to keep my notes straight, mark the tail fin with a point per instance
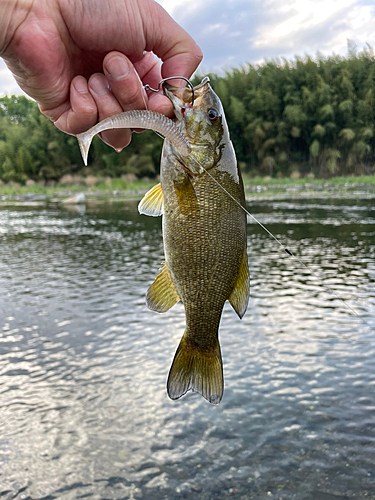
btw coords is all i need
(84, 141)
(201, 371)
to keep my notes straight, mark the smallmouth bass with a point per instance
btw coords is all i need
(204, 234)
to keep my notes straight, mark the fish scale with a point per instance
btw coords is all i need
(198, 242)
(204, 234)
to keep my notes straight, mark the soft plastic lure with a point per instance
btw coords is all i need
(136, 119)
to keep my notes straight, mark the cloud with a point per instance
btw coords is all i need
(8, 85)
(222, 29)
(323, 25)
(234, 32)
(302, 16)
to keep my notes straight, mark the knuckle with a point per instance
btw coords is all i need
(88, 111)
(131, 97)
(198, 54)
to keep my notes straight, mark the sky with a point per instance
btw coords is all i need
(234, 32)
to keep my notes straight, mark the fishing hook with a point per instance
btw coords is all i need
(147, 87)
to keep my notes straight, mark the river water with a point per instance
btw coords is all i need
(83, 363)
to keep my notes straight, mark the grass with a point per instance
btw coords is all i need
(334, 181)
(103, 187)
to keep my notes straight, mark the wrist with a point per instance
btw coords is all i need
(13, 13)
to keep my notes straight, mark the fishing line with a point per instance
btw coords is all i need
(328, 289)
(145, 103)
(290, 253)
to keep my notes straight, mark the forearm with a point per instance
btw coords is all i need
(13, 13)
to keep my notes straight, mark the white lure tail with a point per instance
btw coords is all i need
(136, 119)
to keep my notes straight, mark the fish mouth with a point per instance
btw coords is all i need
(182, 97)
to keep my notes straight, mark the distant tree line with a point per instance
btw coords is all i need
(303, 115)
(31, 147)
(312, 114)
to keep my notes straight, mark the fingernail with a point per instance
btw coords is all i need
(99, 84)
(80, 85)
(118, 68)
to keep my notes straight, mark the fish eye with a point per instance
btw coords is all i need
(213, 114)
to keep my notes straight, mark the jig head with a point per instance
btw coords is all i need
(147, 87)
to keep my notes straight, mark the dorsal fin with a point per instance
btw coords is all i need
(239, 297)
(153, 201)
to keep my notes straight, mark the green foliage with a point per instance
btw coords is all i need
(314, 148)
(16, 108)
(347, 134)
(31, 147)
(318, 130)
(332, 156)
(346, 106)
(316, 113)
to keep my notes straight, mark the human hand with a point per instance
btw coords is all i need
(85, 60)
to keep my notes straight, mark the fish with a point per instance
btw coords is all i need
(201, 199)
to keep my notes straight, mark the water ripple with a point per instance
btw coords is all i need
(83, 363)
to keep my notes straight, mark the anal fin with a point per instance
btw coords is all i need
(153, 201)
(239, 297)
(162, 294)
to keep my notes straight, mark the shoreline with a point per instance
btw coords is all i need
(255, 189)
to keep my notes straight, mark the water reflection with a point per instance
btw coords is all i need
(83, 363)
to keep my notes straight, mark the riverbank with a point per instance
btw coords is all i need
(259, 187)
(105, 187)
(336, 187)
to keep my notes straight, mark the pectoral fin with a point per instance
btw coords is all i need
(152, 202)
(239, 297)
(162, 294)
